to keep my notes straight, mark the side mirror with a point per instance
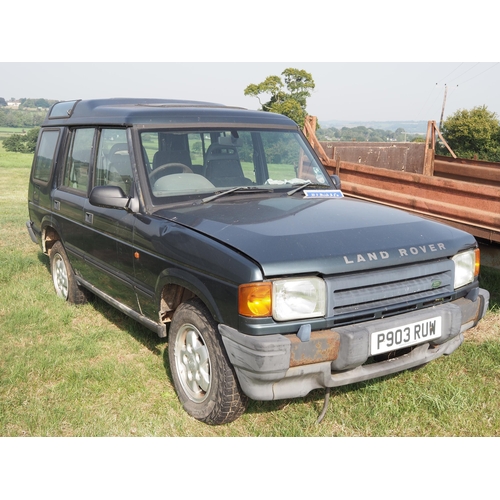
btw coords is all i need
(336, 181)
(109, 197)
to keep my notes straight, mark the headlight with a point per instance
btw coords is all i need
(298, 298)
(466, 267)
(284, 299)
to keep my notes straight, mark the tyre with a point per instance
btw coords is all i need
(64, 279)
(203, 377)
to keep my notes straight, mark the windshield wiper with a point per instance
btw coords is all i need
(232, 190)
(306, 184)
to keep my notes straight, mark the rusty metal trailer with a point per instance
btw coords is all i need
(410, 176)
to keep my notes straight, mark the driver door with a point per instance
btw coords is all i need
(110, 244)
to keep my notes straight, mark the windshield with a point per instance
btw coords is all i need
(202, 162)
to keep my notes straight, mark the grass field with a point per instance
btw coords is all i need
(91, 371)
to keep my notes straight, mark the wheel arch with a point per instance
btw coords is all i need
(176, 286)
(50, 234)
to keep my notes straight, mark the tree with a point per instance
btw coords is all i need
(288, 95)
(473, 133)
(3, 102)
(31, 139)
(21, 117)
(34, 103)
(42, 103)
(17, 143)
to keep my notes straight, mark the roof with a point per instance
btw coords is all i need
(148, 112)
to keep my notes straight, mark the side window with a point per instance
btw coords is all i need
(77, 170)
(113, 167)
(45, 155)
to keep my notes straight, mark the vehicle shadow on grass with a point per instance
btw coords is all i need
(140, 333)
(315, 400)
(146, 337)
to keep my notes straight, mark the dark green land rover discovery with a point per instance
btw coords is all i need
(219, 228)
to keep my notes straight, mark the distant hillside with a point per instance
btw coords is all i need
(411, 127)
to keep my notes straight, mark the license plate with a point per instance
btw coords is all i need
(406, 335)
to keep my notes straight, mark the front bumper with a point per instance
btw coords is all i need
(282, 366)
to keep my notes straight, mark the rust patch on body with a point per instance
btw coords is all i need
(322, 346)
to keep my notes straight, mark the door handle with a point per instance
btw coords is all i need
(89, 218)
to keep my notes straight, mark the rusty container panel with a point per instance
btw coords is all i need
(480, 172)
(469, 206)
(401, 156)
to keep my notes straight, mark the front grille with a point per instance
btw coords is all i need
(382, 292)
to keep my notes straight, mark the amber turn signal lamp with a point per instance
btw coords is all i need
(254, 300)
(477, 264)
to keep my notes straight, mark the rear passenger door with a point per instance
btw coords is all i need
(70, 196)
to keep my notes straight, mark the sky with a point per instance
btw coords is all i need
(370, 61)
(353, 91)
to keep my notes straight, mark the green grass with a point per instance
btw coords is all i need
(91, 371)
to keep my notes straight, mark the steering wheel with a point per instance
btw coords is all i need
(153, 176)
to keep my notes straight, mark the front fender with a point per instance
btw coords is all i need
(191, 282)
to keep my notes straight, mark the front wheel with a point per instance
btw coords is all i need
(203, 377)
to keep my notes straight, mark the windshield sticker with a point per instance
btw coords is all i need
(323, 193)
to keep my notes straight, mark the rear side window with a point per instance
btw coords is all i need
(44, 160)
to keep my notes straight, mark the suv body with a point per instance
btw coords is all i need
(220, 228)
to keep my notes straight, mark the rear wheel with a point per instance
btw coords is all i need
(64, 279)
(203, 376)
